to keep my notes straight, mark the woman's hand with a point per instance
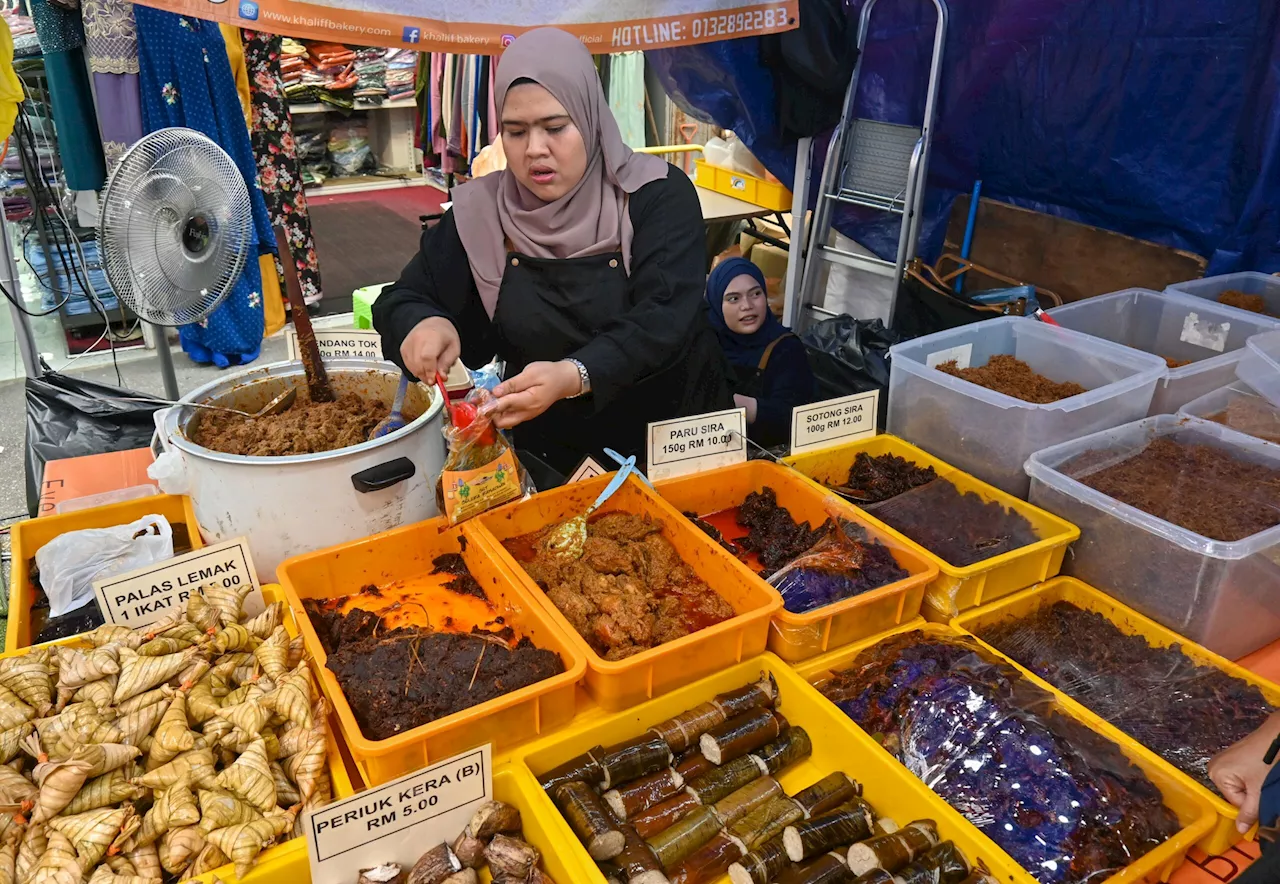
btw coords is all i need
(432, 346)
(748, 403)
(533, 391)
(1239, 771)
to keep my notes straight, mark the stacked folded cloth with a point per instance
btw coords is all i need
(323, 72)
(371, 77)
(402, 66)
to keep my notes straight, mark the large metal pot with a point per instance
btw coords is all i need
(295, 504)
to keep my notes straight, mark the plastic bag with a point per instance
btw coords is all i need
(1183, 711)
(961, 528)
(70, 563)
(1059, 798)
(349, 149)
(73, 417)
(843, 564)
(849, 356)
(481, 469)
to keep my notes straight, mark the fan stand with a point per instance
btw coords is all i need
(165, 357)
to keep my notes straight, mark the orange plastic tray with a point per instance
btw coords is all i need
(619, 684)
(1130, 622)
(27, 537)
(957, 588)
(800, 636)
(404, 553)
(1194, 813)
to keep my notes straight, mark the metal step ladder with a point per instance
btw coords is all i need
(878, 165)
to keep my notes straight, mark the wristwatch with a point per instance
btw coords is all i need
(582, 376)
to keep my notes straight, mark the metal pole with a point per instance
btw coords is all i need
(799, 206)
(21, 322)
(166, 363)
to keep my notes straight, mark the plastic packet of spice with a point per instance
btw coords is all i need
(481, 470)
(843, 564)
(1062, 800)
(959, 528)
(1183, 711)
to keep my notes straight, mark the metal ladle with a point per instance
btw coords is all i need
(275, 406)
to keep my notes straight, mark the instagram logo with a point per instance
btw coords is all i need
(507, 40)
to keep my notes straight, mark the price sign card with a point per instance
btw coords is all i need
(146, 595)
(834, 422)
(339, 343)
(588, 469)
(694, 444)
(399, 821)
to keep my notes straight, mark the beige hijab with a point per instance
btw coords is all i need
(592, 218)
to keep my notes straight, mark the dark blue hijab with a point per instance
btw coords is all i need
(743, 350)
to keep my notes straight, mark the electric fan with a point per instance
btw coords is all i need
(175, 232)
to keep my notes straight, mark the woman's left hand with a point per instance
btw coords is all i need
(533, 391)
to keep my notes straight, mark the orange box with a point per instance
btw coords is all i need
(619, 684)
(27, 537)
(74, 477)
(407, 552)
(799, 636)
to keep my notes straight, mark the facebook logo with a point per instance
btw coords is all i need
(249, 10)
(411, 35)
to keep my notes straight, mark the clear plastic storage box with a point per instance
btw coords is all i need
(1239, 407)
(991, 435)
(1247, 282)
(1206, 338)
(1260, 365)
(1223, 595)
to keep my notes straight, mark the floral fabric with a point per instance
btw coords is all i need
(279, 172)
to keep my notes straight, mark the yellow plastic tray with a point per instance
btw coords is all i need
(287, 861)
(1130, 622)
(957, 589)
(768, 194)
(27, 537)
(837, 745)
(800, 636)
(407, 552)
(620, 684)
(1195, 815)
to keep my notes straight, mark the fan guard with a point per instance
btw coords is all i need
(175, 227)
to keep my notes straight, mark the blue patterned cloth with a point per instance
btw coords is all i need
(186, 80)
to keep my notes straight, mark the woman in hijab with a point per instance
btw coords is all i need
(771, 372)
(580, 264)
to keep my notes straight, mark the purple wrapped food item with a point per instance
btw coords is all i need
(1061, 800)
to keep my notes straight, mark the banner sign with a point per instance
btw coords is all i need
(485, 27)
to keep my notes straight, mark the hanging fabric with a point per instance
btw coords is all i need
(279, 171)
(626, 95)
(62, 40)
(10, 85)
(185, 80)
(112, 47)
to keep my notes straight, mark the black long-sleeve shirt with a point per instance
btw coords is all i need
(667, 277)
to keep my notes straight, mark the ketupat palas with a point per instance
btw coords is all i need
(157, 755)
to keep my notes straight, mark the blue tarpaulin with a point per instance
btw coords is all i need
(1155, 118)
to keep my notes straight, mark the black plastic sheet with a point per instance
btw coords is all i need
(73, 417)
(849, 356)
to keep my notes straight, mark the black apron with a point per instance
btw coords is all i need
(548, 309)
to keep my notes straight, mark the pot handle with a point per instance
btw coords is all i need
(384, 475)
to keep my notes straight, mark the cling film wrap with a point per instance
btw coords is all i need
(843, 564)
(1184, 711)
(961, 528)
(1057, 797)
